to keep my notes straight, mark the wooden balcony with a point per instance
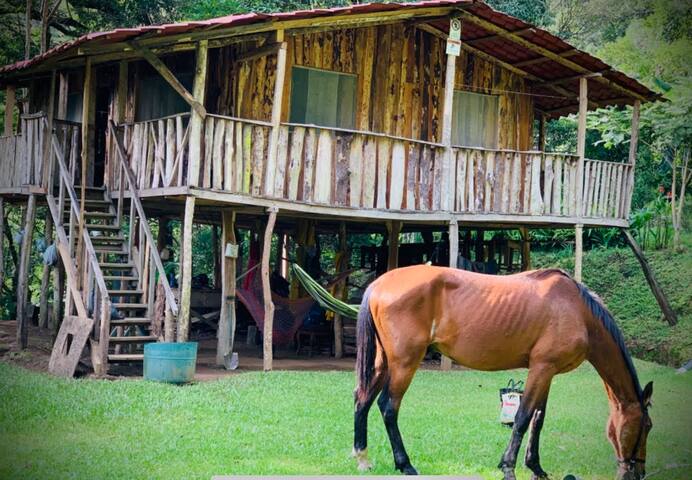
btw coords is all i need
(348, 170)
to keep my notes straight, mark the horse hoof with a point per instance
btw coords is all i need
(409, 470)
(540, 476)
(361, 457)
(509, 473)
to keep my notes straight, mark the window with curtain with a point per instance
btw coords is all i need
(475, 119)
(321, 97)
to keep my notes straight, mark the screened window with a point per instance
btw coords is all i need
(322, 98)
(156, 98)
(475, 119)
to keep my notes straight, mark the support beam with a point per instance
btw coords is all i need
(267, 292)
(186, 270)
(446, 194)
(339, 290)
(164, 71)
(581, 143)
(525, 249)
(537, 61)
(87, 119)
(63, 90)
(45, 276)
(48, 164)
(227, 321)
(23, 276)
(541, 133)
(394, 229)
(277, 102)
(578, 251)
(634, 142)
(10, 103)
(197, 119)
(656, 289)
(446, 362)
(491, 27)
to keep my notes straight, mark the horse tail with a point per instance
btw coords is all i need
(366, 346)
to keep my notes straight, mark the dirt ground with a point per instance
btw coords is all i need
(36, 357)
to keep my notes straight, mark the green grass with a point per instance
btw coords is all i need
(301, 423)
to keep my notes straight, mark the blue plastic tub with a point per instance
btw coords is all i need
(170, 362)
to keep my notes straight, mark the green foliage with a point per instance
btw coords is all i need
(652, 224)
(274, 424)
(531, 11)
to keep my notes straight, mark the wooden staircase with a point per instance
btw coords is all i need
(130, 324)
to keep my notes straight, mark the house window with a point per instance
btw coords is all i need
(323, 98)
(156, 98)
(475, 119)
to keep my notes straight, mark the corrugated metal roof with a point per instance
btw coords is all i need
(501, 47)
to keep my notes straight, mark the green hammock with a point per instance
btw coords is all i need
(322, 296)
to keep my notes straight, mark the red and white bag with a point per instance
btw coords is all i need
(510, 399)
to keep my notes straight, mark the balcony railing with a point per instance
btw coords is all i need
(366, 170)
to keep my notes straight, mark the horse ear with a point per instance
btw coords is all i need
(646, 394)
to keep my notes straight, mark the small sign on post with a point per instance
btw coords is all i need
(454, 39)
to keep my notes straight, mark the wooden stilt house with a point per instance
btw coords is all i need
(370, 116)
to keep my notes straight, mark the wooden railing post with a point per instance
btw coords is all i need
(197, 120)
(632, 160)
(277, 103)
(447, 193)
(581, 143)
(226, 331)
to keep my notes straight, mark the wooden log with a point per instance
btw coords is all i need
(557, 187)
(461, 180)
(281, 163)
(340, 187)
(228, 158)
(515, 187)
(525, 249)
(277, 103)
(266, 291)
(296, 162)
(355, 170)
(226, 330)
(23, 274)
(581, 144)
(10, 103)
(217, 154)
(181, 140)
(398, 171)
(471, 175)
(536, 202)
(412, 170)
(309, 164)
(446, 362)
(369, 172)
(548, 180)
(186, 270)
(527, 162)
(170, 152)
(384, 152)
(656, 289)
(208, 148)
(324, 167)
(340, 289)
(632, 158)
(246, 152)
(578, 251)
(488, 161)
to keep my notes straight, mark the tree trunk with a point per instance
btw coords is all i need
(27, 31)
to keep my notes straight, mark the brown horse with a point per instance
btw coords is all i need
(543, 320)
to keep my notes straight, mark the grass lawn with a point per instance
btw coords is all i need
(301, 423)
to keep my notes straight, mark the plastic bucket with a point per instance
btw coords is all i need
(170, 362)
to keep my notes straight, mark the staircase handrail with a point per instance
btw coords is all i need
(134, 197)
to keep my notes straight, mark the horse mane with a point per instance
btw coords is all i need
(599, 310)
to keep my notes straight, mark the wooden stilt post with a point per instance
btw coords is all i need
(218, 253)
(656, 289)
(578, 251)
(58, 295)
(10, 103)
(446, 193)
(45, 277)
(229, 252)
(581, 143)
(634, 141)
(339, 290)
(266, 290)
(23, 277)
(525, 249)
(186, 270)
(394, 229)
(446, 362)
(87, 119)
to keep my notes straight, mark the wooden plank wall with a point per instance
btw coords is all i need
(400, 81)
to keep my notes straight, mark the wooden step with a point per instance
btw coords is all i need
(124, 293)
(127, 321)
(100, 239)
(102, 227)
(108, 251)
(130, 306)
(116, 266)
(92, 214)
(115, 278)
(134, 339)
(125, 357)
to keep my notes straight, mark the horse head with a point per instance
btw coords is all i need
(628, 429)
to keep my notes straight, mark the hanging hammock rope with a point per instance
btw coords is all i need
(322, 296)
